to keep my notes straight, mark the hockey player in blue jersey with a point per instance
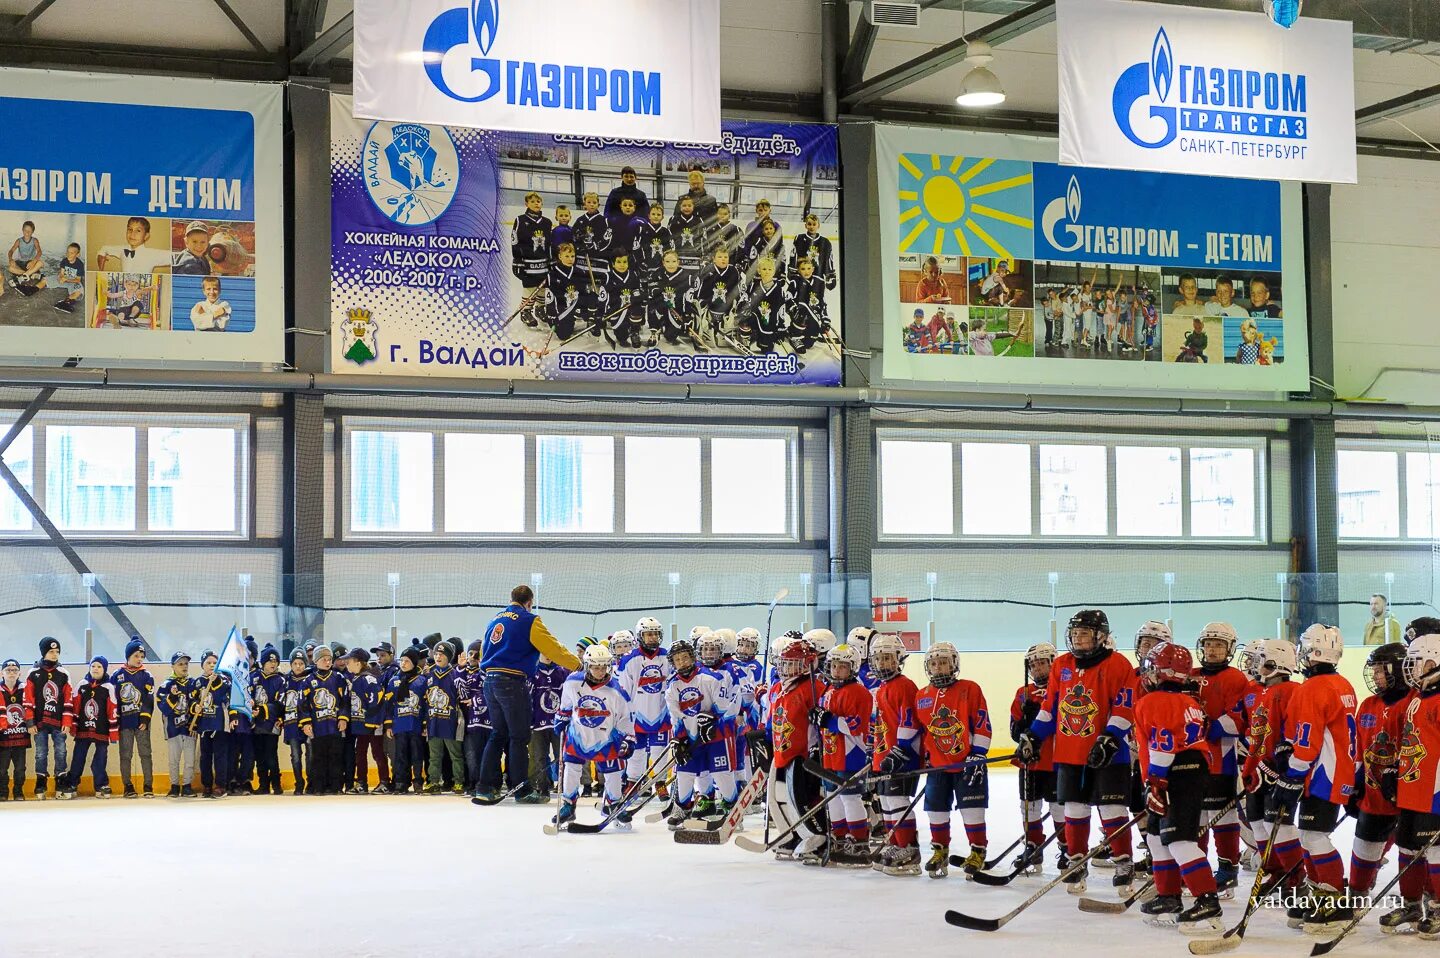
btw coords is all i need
(595, 725)
(702, 712)
(643, 674)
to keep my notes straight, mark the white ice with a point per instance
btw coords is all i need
(428, 876)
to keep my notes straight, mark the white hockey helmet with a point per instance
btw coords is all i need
(1216, 632)
(622, 643)
(843, 655)
(887, 656)
(859, 639)
(1246, 660)
(1153, 629)
(710, 649)
(1422, 661)
(821, 640)
(942, 665)
(597, 658)
(1274, 657)
(730, 639)
(696, 632)
(747, 642)
(1039, 652)
(1319, 645)
(649, 628)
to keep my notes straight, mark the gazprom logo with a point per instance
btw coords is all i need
(456, 53)
(1156, 101)
(1064, 209)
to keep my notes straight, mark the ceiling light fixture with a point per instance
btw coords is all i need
(980, 86)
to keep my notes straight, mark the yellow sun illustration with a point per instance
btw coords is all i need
(964, 206)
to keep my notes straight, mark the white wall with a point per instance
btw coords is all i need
(1386, 285)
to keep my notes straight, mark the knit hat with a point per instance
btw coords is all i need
(9, 662)
(133, 646)
(208, 654)
(299, 655)
(477, 646)
(104, 662)
(48, 643)
(268, 653)
(432, 640)
(178, 656)
(443, 646)
(323, 650)
(416, 655)
(254, 648)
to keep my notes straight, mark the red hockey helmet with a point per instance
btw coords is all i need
(796, 659)
(1168, 662)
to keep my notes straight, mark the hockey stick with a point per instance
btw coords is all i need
(753, 846)
(1232, 938)
(524, 303)
(510, 794)
(578, 828)
(995, 881)
(962, 920)
(826, 775)
(1097, 906)
(599, 325)
(1325, 947)
(732, 821)
(765, 673)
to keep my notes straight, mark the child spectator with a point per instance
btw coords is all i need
(212, 724)
(324, 714)
(470, 682)
(267, 691)
(96, 726)
(404, 723)
(294, 690)
(176, 701)
(72, 279)
(14, 734)
(545, 691)
(48, 713)
(440, 707)
(366, 718)
(212, 314)
(135, 691)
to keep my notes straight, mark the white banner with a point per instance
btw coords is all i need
(1173, 89)
(638, 69)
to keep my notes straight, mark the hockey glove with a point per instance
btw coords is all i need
(893, 761)
(1157, 796)
(819, 716)
(1277, 766)
(1103, 752)
(1242, 748)
(705, 727)
(815, 754)
(1027, 749)
(562, 732)
(972, 774)
(1389, 783)
(627, 748)
(683, 751)
(1029, 711)
(1283, 798)
(1250, 778)
(761, 754)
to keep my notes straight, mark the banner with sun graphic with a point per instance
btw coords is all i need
(994, 251)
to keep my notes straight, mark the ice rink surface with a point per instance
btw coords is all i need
(436, 876)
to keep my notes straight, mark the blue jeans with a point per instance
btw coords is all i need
(45, 739)
(97, 764)
(508, 699)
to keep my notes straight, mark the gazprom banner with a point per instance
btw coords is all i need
(639, 69)
(1159, 87)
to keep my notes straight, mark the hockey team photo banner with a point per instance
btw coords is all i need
(640, 69)
(1004, 267)
(142, 218)
(1169, 88)
(461, 252)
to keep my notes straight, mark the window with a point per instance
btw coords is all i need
(20, 457)
(917, 488)
(1368, 486)
(90, 477)
(995, 489)
(1222, 493)
(749, 486)
(1422, 495)
(484, 482)
(392, 481)
(192, 480)
(575, 484)
(1074, 491)
(1147, 491)
(662, 485)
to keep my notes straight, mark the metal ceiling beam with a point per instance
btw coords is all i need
(1411, 102)
(19, 27)
(1007, 28)
(131, 59)
(862, 44)
(320, 54)
(255, 43)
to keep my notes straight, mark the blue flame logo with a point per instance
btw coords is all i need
(1162, 65)
(1072, 200)
(485, 15)
(1148, 84)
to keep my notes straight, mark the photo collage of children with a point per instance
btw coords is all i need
(975, 306)
(70, 271)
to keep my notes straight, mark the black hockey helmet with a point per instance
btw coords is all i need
(1095, 620)
(1391, 657)
(686, 646)
(1425, 625)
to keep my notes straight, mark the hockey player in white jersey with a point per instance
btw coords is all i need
(643, 674)
(594, 724)
(702, 714)
(722, 660)
(622, 643)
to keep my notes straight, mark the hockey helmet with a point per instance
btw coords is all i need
(942, 665)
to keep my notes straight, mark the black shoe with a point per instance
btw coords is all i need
(130, 791)
(1202, 917)
(360, 790)
(174, 792)
(187, 792)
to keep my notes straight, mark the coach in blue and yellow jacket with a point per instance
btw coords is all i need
(514, 642)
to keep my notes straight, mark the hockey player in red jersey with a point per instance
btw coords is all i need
(1319, 777)
(955, 728)
(1088, 711)
(790, 700)
(897, 750)
(1221, 693)
(1177, 761)
(1377, 734)
(1273, 662)
(1037, 782)
(1147, 637)
(1416, 787)
(843, 718)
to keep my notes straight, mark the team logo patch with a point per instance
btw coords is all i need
(1077, 713)
(948, 732)
(411, 171)
(1369, 720)
(591, 711)
(1066, 674)
(924, 703)
(652, 679)
(1379, 754)
(1411, 750)
(691, 699)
